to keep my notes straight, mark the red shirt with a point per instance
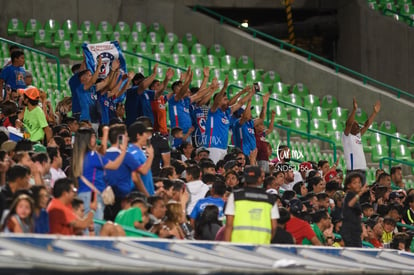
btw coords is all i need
(160, 115)
(60, 218)
(299, 229)
(261, 144)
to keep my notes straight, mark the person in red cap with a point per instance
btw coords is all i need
(34, 119)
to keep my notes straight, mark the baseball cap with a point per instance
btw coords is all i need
(202, 149)
(295, 206)
(395, 194)
(230, 164)
(31, 92)
(252, 174)
(330, 175)
(39, 148)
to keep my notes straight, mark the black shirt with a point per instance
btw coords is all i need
(161, 146)
(351, 216)
(282, 237)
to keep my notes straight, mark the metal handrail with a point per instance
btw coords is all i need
(308, 113)
(390, 160)
(282, 44)
(41, 53)
(152, 60)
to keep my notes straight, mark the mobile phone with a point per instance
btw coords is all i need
(256, 87)
(120, 139)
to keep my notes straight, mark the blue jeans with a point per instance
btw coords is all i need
(99, 213)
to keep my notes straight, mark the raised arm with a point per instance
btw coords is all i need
(272, 122)
(264, 109)
(234, 99)
(220, 96)
(168, 75)
(247, 114)
(114, 69)
(201, 94)
(206, 73)
(211, 89)
(95, 75)
(147, 81)
(130, 76)
(187, 81)
(242, 101)
(351, 118)
(371, 118)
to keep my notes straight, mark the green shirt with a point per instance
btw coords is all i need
(34, 121)
(128, 218)
(319, 235)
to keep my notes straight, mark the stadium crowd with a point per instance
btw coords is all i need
(208, 174)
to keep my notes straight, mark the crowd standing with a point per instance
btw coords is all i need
(201, 170)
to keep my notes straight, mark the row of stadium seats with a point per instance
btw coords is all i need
(400, 10)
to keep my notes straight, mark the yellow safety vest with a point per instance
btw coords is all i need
(252, 216)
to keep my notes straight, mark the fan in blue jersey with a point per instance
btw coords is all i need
(179, 103)
(74, 83)
(14, 73)
(244, 132)
(218, 122)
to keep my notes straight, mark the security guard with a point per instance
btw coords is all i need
(251, 213)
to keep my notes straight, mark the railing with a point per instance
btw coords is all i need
(391, 160)
(282, 44)
(308, 114)
(41, 53)
(129, 229)
(152, 60)
(405, 17)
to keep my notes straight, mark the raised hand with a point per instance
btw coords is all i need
(154, 70)
(169, 74)
(273, 113)
(115, 65)
(266, 98)
(131, 75)
(206, 71)
(355, 103)
(377, 106)
(99, 61)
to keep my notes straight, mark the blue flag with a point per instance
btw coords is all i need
(109, 51)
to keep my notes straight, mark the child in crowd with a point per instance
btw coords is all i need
(19, 219)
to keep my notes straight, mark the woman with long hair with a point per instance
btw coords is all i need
(40, 216)
(19, 219)
(208, 224)
(175, 216)
(88, 164)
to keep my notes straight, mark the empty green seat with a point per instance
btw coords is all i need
(105, 28)
(160, 57)
(245, 62)
(144, 49)
(42, 37)
(340, 114)
(195, 61)
(373, 5)
(170, 39)
(228, 62)
(329, 102)
(157, 28)
(198, 73)
(66, 49)
(253, 76)
(271, 77)
(135, 38)
(180, 49)
(377, 138)
(32, 27)
(117, 36)
(281, 114)
(300, 89)
(199, 49)
(298, 125)
(334, 125)
(317, 127)
(125, 46)
(123, 28)
(378, 152)
(79, 37)
(77, 54)
(280, 88)
(98, 37)
(162, 49)
(310, 101)
(264, 88)
(51, 26)
(217, 73)
(15, 26)
(336, 136)
(292, 98)
(153, 38)
(178, 60)
(319, 113)
(217, 50)
(388, 127)
(361, 116)
(211, 61)
(58, 38)
(70, 26)
(140, 28)
(396, 141)
(189, 40)
(235, 75)
(88, 27)
(297, 113)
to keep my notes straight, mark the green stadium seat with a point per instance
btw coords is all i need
(319, 113)
(15, 27)
(135, 38)
(140, 28)
(334, 125)
(253, 76)
(211, 61)
(144, 49)
(361, 116)
(42, 38)
(162, 49)
(198, 73)
(317, 127)
(298, 125)
(199, 49)
(170, 39)
(310, 101)
(153, 38)
(403, 153)
(235, 75)
(271, 77)
(396, 142)
(336, 136)
(228, 62)
(77, 54)
(280, 88)
(125, 46)
(297, 113)
(340, 114)
(217, 50)
(66, 49)
(70, 26)
(373, 5)
(160, 57)
(88, 27)
(105, 28)
(189, 40)
(98, 37)
(123, 28)
(181, 49)
(178, 60)
(377, 138)
(51, 26)
(160, 72)
(388, 127)
(265, 88)
(79, 37)
(32, 27)
(300, 89)
(195, 61)
(59, 37)
(329, 102)
(117, 36)
(292, 98)
(378, 152)
(157, 28)
(218, 73)
(246, 63)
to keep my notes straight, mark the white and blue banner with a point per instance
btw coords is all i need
(109, 51)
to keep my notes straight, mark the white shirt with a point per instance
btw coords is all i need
(354, 152)
(197, 190)
(230, 208)
(55, 175)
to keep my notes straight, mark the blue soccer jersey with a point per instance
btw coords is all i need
(179, 112)
(88, 99)
(93, 170)
(74, 83)
(140, 156)
(198, 118)
(105, 103)
(132, 105)
(146, 98)
(217, 129)
(202, 203)
(14, 76)
(244, 136)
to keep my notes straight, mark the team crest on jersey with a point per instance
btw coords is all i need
(250, 130)
(107, 59)
(224, 120)
(201, 122)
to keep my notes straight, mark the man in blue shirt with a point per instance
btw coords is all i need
(74, 83)
(217, 192)
(218, 122)
(244, 132)
(14, 74)
(140, 136)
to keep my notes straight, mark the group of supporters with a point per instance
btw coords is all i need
(183, 181)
